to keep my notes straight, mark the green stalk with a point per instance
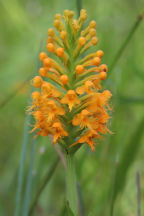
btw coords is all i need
(71, 184)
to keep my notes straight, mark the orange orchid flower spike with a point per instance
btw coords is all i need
(69, 103)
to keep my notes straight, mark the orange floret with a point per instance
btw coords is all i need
(37, 81)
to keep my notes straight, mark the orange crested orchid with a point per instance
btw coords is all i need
(69, 103)
(87, 138)
(86, 88)
(71, 99)
(82, 119)
(59, 132)
(54, 110)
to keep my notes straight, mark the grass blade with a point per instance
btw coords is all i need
(125, 163)
(22, 164)
(24, 144)
(27, 195)
(79, 6)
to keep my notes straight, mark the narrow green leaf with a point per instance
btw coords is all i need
(24, 146)
(22, 164)
(125, 162)
(27, 195)
(79, 6)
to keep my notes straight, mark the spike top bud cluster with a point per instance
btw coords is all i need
(69, 103)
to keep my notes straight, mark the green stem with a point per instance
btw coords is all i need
(125, 43)
(71, 184)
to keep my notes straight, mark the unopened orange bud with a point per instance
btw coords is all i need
(99, 53)
(92, 24)
(37, 81)
(58, 16)
(42, 56)
(60, 52)
(84, 17)
(63, 35)
(75, 25)
(36, 95)
(51, 32)
(82, 41)
(64, 79)
(79, 69)
(103, 75)
(103, 67)
(92, 32)
(94, 40)
(57, 23)
(66, 12)
(71, 14)
(83, 14)
(47, 62)
(42, 72)
(50, 47)
(96, 61)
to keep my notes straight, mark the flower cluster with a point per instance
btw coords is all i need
(70, 104)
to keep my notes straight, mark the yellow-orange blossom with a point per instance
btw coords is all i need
(70, 104)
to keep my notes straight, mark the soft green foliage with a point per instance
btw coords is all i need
(23, 26)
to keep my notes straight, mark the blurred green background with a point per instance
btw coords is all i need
(109, 173)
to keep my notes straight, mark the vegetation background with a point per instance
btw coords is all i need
(111, 179)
